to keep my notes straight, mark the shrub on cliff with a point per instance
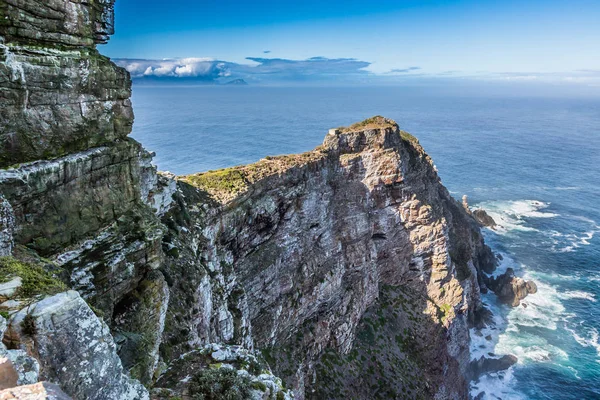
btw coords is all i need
(220, 384)
(35, 279)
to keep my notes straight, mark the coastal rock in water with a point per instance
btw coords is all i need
(511, 289)
(484, 218)
(486, 365)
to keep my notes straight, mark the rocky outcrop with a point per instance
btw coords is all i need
(78, 192)
(314, 238)
(347, 271)
(486, 365)
(510, 288)
(59, 94)
(484, 218)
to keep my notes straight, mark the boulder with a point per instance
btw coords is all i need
(74, 348)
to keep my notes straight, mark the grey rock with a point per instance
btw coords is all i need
(18, 368)
(176, 380)
(75, 349)
(56, 23)
(511, 289)
(8, 289)
(7, 227)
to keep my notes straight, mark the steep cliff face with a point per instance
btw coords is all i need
(60, 95)
(348, 271)
(314, 242)
(75, 190)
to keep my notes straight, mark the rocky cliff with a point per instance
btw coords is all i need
(345, 272)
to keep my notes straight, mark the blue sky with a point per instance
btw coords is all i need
(547, 40)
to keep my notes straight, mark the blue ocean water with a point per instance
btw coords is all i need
(532, 162)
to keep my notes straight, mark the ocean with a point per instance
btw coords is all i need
(533, 162)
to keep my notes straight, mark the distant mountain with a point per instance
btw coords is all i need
(238, 82)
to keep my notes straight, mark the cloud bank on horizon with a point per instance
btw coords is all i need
(262, 70)
(257, 70)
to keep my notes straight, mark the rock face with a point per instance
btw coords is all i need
(59, 94)
(348, 271)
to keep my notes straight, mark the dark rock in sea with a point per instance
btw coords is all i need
(511, 289)
(483, 318)
(484, 218)
(531, 287)
(486, 365)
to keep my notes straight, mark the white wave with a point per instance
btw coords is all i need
(509, 334)
(500, 385)
(575, 241)
(567, 188)
(512, 215)
(574, 372)
(590, 339)
(578, 294)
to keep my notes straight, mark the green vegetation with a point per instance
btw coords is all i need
(223, 184)
(376, 122)
(36, 280)
(226, 184)
(408, 137)
(445, 310)
(219, 384)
